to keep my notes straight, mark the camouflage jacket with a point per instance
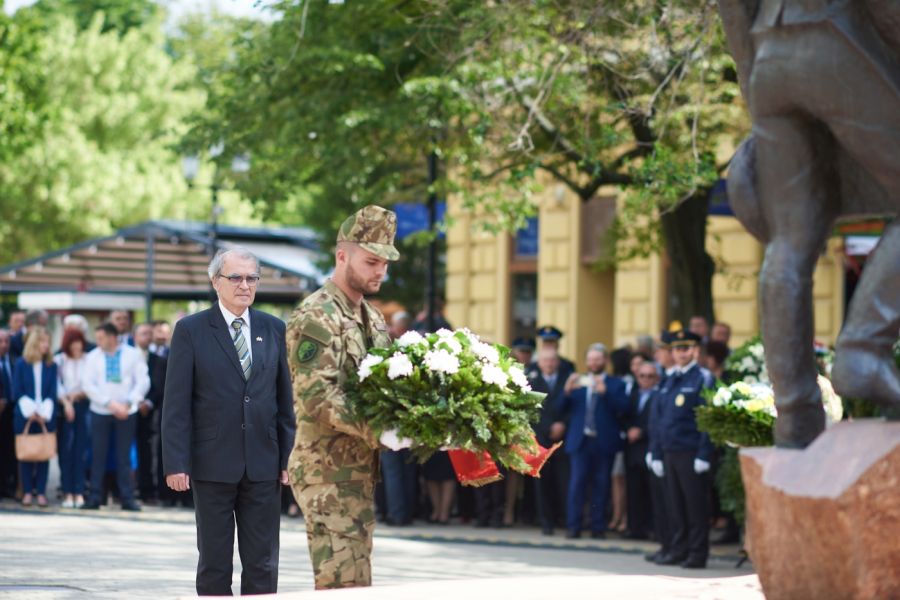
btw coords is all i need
(327, 340)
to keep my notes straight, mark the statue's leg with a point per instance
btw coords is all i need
(864, 366)
(791, 159)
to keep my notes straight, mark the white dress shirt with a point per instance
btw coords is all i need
(245, 328)
(132, 389)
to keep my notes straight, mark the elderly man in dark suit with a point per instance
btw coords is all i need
(637, 472)
(593, 437)
(550, 488)
(228, 427)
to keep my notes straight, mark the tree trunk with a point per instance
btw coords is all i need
(691, 269)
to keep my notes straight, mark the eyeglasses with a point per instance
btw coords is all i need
(236, 280)
(647, 375)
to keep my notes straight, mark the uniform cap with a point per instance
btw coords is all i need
(549, 332)
(523, 343)
(373, 228)
(680, 337)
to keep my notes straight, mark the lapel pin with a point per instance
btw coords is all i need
(258, 339)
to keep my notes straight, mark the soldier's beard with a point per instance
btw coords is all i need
(360, 284)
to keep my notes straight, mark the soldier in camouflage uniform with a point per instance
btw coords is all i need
(334, 462)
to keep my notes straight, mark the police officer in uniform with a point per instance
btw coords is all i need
(682, 454)
(550, 337)
(334, 462)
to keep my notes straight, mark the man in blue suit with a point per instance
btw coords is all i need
(8, 464)
(592, 440)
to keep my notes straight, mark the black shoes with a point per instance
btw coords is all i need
(598, 535)
(90, 505)
(670, 559)
(652, 556)
(694, 562)
(546, 530)
(573, 534)
(131, 506)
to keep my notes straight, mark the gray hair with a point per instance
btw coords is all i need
(215, 265)
(77, 321)
(598, 347)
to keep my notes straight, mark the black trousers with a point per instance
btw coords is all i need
(662, 524)
(101, 425)
(688, 495)
(256, 508)
(9, 466)
(550, 490)
(146, 455)
(639, 495)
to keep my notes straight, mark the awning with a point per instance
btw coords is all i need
(168, 260)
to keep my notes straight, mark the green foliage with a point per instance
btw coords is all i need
(458, 409)
(730, 485)
(727, 424)
(119, 16)
(96, 118)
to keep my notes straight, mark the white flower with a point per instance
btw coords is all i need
(365, 367)
(451, 343)
(743, 388)
(831, 402)
(748, 364)
(492, 374)
(519, 378)
(409, 338)
(443, 332)
(750, 379)
(757, 351)
(722, 397)
(486, 352)
(441, 361)
(399, 365)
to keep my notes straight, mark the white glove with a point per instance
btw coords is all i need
(700, 466)
(648, 458)
(657, 467)
(389, 439)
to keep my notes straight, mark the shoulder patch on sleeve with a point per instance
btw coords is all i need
(317, 332)
(307, 350)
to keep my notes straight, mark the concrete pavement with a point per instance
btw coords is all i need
(56, 554)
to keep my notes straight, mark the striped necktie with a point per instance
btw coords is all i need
(240, 344)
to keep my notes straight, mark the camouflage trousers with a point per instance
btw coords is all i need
(340, 520)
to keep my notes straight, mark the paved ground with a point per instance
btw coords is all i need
(57, 554)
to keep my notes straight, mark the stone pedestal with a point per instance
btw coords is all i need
(824, 522)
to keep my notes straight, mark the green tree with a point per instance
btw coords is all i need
(118, 15)
(340, 105)
(104, 114)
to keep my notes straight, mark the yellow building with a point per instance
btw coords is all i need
(500, 291)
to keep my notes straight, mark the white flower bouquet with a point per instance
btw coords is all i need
(450, 389)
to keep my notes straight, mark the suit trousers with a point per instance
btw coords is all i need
(256, 508)
(639, 496)
(101, 426)
(688, 496)
(590, 467)
(550, 490)
(146, 455)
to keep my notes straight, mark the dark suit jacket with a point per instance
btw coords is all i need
(611, 408)
(636, 451)
(16, 346)
(23, 384)
(216, 426)
(156, 369)
(6, 380)
(550, 406)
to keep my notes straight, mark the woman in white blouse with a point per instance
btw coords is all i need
(34, 389)
(74, 438)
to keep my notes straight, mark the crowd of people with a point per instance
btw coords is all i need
(633, 463)
(101, 392)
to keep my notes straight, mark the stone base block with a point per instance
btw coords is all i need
(824, 522)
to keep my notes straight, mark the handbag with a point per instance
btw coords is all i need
(35, 447)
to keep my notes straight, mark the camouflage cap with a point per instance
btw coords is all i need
(373, 228)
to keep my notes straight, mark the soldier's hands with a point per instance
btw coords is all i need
(557, 431)
(285, 480)
(700, 466)
(657, 467)
(180, 482)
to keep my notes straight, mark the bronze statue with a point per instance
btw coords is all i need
(822, 81)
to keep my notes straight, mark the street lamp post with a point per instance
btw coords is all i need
(240, 163)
